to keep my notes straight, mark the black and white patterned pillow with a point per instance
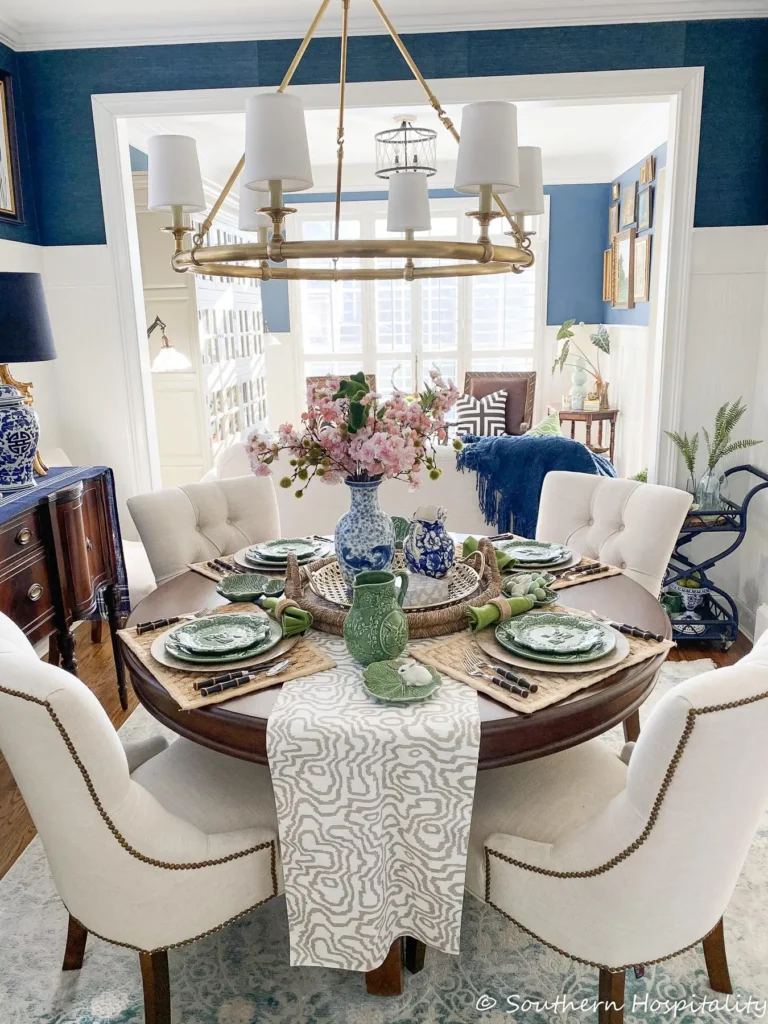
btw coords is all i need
(482, 416)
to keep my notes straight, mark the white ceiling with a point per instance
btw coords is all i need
(53, 24)
(580, 143)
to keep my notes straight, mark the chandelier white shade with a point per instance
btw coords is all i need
(488, 148)
(529, 197)
(174, 174)
(276, 147)
(249, 218)
(408, 205)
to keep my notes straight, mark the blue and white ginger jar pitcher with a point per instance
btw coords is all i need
(19, 434)
(428, 548)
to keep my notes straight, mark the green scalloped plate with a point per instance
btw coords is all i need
(249, 586)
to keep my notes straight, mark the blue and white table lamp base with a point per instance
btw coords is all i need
(25, 337)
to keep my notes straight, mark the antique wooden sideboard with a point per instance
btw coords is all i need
(61, 560)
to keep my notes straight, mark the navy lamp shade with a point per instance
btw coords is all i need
(25, 337)
(25, 330)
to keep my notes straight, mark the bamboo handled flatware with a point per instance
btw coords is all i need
(231, 680)
(623, 627)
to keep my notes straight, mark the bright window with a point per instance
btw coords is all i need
(400, 328)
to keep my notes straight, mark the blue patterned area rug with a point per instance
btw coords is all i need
(241, 975)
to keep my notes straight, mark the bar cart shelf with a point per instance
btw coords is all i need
(710, 614)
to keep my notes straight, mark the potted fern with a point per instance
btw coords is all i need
(708, 491)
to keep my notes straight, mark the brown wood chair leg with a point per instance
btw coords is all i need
(611, 1009)
(97, 631)
(53, 649)
(77, 936)
(157, 987)
(386, 980)
(632, 727)
(717, 962)
(414, 954)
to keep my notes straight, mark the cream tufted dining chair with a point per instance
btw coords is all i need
(621, 522)
(150, 847)
(187, 524)
(618, 866)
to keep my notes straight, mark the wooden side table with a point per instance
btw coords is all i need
(588, 417)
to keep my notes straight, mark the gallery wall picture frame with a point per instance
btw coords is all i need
(608, 275)
(623, 275)
(648, 170)
(10, 181)
(628, 204)
(613, 221)
(642, 269)
(615, 191)
(645, 208)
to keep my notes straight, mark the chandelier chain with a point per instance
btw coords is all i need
(340, 129)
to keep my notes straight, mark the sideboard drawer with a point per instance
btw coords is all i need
(25, 596)
(19, 535)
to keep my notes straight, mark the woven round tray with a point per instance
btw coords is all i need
(329, 617)
(463, 580)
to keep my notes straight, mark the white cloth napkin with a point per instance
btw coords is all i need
(374, 804)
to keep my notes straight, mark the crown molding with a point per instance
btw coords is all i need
(10, 34)
(527, 14)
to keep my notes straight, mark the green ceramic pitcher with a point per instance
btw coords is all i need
(376, 628)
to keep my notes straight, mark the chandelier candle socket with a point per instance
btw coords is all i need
(276, 161)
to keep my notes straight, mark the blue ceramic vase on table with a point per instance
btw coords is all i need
(364, 536)
(19, 434)
(428, 548)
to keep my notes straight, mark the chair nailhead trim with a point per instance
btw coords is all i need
(691, 717)
(182, 942)
(591, 963)
(111, 825)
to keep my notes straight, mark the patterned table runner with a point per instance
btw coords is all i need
(374, 804)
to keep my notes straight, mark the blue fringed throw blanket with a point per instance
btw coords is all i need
(511, 470)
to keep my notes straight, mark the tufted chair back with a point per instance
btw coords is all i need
(621, 522)
(652, 873)
(187, 524)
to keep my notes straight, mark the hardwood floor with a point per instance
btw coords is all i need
(97, 671)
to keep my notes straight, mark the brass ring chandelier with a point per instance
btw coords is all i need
(277, 161)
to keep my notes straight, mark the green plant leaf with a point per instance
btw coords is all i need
(565, 330)
(601, 339)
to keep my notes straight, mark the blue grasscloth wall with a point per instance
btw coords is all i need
(640, 313)
(26, 232)
(56, 89)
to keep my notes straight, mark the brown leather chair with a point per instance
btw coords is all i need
(520, 388)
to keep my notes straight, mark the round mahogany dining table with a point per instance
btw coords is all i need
(239, 726)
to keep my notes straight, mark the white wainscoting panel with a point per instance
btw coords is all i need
(726, 356)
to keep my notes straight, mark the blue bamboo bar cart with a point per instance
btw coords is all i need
(708, 612)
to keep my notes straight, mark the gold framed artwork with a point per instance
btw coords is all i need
(623, 276)
(607, 275)
(615, 191)
(642, 269)
(10, 193)
(628, 201)
(645, 208)
(648, 170)
(613, 221)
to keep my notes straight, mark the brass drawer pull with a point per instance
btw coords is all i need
(35, 592)
(24, 536)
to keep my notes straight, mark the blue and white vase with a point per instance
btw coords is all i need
(364, 536)
(428, 548)
(19, 434)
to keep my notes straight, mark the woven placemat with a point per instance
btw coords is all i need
(306, 660)
(584, 563)
(448, 657)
